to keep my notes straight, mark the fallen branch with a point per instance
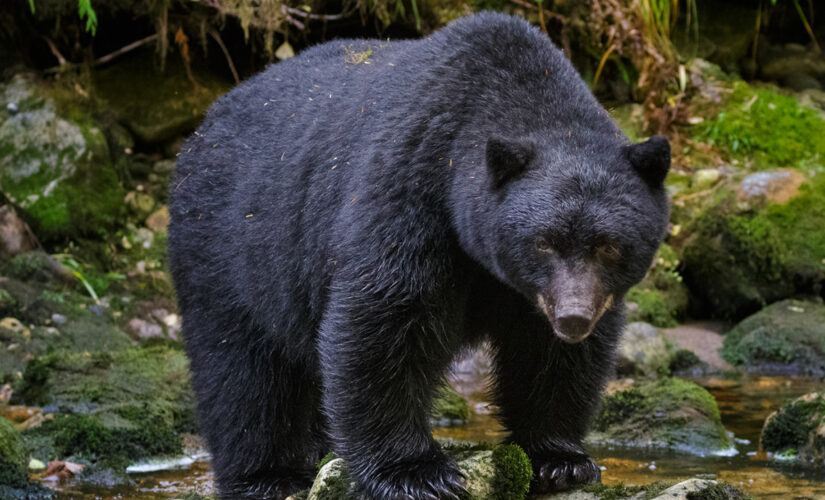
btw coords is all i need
(103, 59)
(217, 37)
(60, 59)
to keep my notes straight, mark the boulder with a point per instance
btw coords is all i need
(501, 471)
(55, 163)
(667, 413)
(787, 337)
(796, 431)
(644, 351)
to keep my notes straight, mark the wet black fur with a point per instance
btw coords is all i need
(338, 236)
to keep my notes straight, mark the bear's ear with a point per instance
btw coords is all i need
(507, 159)
(651, 159)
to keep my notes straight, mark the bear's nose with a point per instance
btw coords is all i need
(573, 325)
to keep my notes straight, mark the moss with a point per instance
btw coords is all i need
(661, 296)
(450, 405)
(513, 472)
(612, 491)
(654, 489)
(141, 397)
(735, 263)
(335, 488)
(791, 426)
(329, 457)
(666, 413)
(683, 360)
(717, 491)
(747, 125)
(787, 336)
(12, 458)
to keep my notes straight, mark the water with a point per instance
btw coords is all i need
(744, 403)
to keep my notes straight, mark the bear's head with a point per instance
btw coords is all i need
(576, 225)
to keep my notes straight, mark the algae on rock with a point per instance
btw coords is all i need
(786, 337)
(797, 430)
(666, 413)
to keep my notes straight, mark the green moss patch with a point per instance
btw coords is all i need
(513, 472)
(661, 298)
(785, 337)
(449, 406)
(666, 413)
(132, 403)
(747, 126)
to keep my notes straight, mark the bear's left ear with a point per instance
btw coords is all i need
(507, 159)
(651, 159)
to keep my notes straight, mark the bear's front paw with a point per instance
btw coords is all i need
(436, 478)
(560, 475)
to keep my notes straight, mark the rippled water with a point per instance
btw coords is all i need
(744, 404)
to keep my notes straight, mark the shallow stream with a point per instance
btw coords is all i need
(744, 403)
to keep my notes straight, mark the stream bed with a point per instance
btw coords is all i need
(743, 402)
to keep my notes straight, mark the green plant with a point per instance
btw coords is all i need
(84, 10)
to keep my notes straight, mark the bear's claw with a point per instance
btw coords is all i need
(554, 475)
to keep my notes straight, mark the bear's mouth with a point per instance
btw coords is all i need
(574, 322)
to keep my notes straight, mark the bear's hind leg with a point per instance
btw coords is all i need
(258, 410)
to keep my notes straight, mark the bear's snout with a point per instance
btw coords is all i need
(574, 302)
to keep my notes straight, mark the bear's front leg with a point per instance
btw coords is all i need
(547, 391)
(382, 359)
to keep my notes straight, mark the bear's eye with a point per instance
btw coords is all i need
(543, 245)
(609, 252)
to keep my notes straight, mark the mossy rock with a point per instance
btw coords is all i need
(666, 413)
(797, 430)
(661, 298)
(87, 327)
(787, 337)
(449, 407)
(12, 457)
(735, 262)
(132, 403)
(501, 472)
(645, 351)
(156, 105)
(55, 163)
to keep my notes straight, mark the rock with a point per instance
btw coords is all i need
(735, 262)
(449, 407)
(134, 403)
(797, 430)
(16, 236)
(703, 340)
(141, 204)
(644, 350)
(17, 414)
(55, 163)
(12, 329)
(695, 489)
(763, 188)
(787, 337)
(156, 105)
(666, 413)
(58, 319)
(782, 65)
(37, 266)
(502, 471)
(159, 219)
(705, 178)
(144, 329)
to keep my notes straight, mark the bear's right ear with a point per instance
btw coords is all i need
(651, 159)
(507, 159)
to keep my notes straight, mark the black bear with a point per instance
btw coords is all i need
(345, 222)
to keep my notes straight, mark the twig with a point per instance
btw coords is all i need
(316, 17)
(60, 59)
(214, 34)
(132, 46)
(548, 13)
(103, 59)
(539, 3)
